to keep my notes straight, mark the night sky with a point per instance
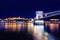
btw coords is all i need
(26, 8)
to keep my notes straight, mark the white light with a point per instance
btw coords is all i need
(39, 31)
(41, 21)
(32, 19)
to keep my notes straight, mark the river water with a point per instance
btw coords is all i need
(22, 33)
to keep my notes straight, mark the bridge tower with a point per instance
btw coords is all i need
(39, 14)
(39, 25)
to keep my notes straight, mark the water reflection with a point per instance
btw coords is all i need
(38, 32)
(41, 35)
(46, 36)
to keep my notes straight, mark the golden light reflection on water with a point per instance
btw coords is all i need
(38, 32)
(39, 36)
(29, 26)
(46, 36)
(54, 27)
(17, 27)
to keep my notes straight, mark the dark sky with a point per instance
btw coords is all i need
(26, 8)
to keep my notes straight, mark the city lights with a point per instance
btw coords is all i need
(35, 25)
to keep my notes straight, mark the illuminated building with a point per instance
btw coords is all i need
(15, 24)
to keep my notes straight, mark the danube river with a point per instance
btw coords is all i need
(20, 31)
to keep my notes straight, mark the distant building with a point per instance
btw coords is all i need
(15, 24)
